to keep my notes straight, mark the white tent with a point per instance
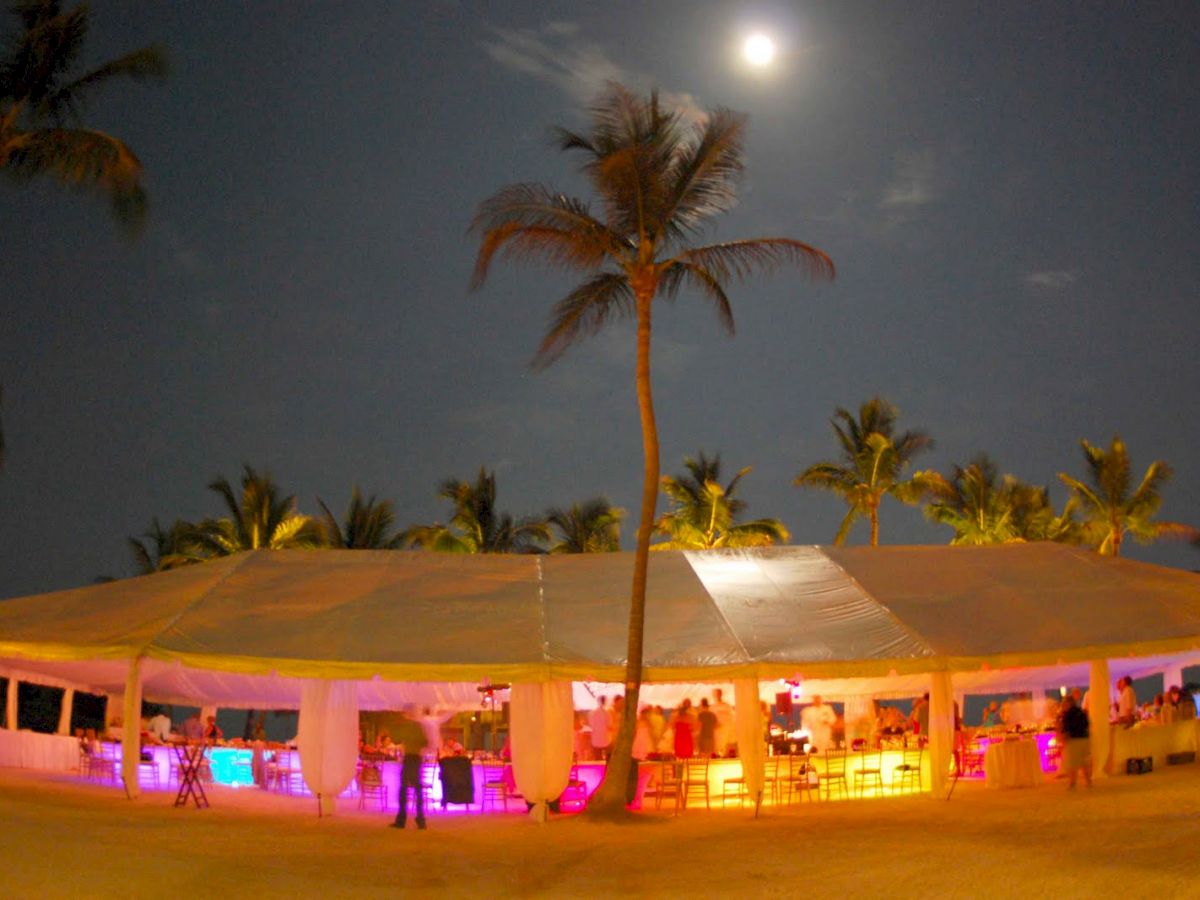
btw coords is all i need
(269, 628)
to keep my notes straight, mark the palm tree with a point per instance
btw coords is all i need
(1110, 511)
(1, 428)
(872, 465)
(477, 526)
(593, 526)
(703, 514)
(660, 181)
(366, 526)
(160, 550)
(42, 96)
(984, 508)
(258, 519)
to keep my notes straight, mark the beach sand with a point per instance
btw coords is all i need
(1127, 837)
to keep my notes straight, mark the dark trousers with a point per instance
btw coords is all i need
(410, 777)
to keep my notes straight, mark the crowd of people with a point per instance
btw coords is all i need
(703, 729)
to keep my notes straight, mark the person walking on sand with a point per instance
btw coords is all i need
(1077, 745)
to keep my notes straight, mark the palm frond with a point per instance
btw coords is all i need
(736, 260)
(677, 274)
(139, 65)
(583, 312)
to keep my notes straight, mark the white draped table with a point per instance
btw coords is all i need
(1008, 764)
(31, 750)
(1155, 741)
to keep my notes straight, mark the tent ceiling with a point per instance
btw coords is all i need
(247, 626)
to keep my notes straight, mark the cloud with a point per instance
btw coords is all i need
(1052, 279)
(558, 54)
(915, 183)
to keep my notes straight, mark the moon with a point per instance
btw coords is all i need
(759, 50)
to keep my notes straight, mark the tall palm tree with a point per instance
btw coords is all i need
(477, 526)
(593, 526)
(984, 507)
(872, 464)
(259, 518)
(1110, 511)
(703, 513)
(659, 181)
(367, 525)
(161, 549)
(42, 96)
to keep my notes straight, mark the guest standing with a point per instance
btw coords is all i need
(706, 723)
(412, 737)
(598, 721)
(1077, 745)
(684, 723)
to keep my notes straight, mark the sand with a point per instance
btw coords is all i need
(1128, 837)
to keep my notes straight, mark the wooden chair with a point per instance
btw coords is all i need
(802, 779)
(908, 772)
(495, 787)
(735, 788)
(370, 784)
(695, 781)
(668, 785)
(771, 785)
(870, 769)
(575, 793)
(834, 774)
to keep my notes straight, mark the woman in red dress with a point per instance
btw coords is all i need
(685, 728)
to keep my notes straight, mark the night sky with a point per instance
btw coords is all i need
(1009, 192)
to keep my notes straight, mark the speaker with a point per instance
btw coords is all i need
(1139, 766)
(783, 703)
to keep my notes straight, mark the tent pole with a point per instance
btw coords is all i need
(131, 737)
(64, 713)
(10, 710)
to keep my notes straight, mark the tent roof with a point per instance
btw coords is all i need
(776, 612)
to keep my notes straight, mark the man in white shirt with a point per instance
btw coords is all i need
(1126, 702)
(160, 726)
(725, 728)
(818, 720)
(598, 721)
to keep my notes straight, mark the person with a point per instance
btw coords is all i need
(818, 720)
(683, 725)
(725, 728)
(615, 713)
(160, 727)
(991, 715)
(193, 728)
(658, 728)
(706, 724)
(643, 738)
(598, 721)
(411, 736)
(451, 747)
(212, 731)
(1126, 702)
(432, 723)
(920, 716)
(1077, 745)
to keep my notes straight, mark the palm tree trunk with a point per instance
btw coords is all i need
(874, 524)
(609, 800)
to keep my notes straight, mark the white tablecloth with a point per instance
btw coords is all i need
(1155, 741)
(1010, 764)
(31, 750)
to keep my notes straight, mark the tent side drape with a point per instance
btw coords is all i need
(1099, 700)
(749, 725)
(541, 717)
(941, 731)
(10, 709)
(131, 737)
(64, 712)
(328, 739)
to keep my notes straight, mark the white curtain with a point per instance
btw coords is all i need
(328, 739)
(131, 737)
(941, 731)
(10, 709)
(1099, 701)
(64, 713)
(749, 725)
(543, 740)
(114, 706)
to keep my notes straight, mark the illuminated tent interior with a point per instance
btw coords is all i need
(326, 631)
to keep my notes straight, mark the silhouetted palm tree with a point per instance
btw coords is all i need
(42, 97)
(367, 525)
(985, 508)
(703, 514)
(160, 550)
(872, 464)
(258, 519)
(660, 181)
(593, 526)
(477, 526)
(1110, 511)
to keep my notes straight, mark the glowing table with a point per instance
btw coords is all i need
(1011, 764)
